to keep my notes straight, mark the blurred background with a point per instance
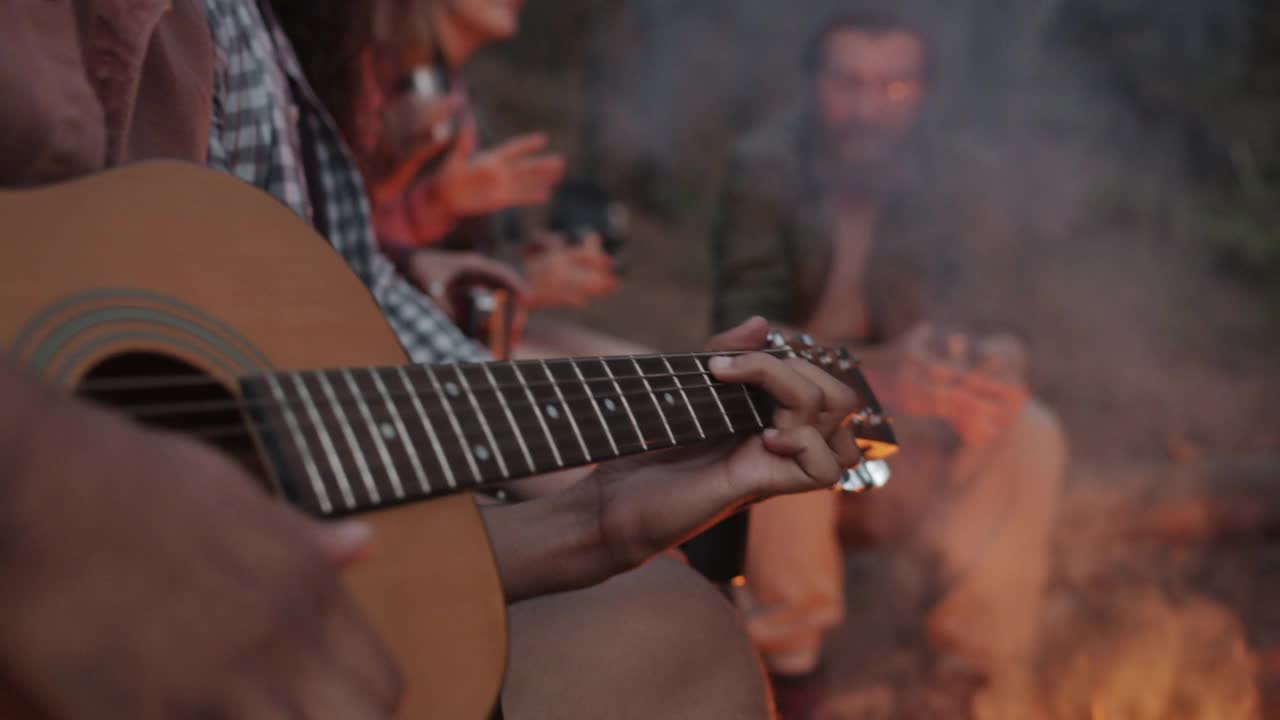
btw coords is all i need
(1119, 164)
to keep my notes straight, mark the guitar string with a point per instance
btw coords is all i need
(742, 422)
(544, 460)
(409, 413)
(353, 400)
(153, 382)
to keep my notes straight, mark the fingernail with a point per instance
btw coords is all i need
(720, 363)
(771, 433)
(352, 533)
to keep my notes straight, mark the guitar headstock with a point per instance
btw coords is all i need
(871, 426)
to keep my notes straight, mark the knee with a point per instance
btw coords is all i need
(691, 638)
(659, 641)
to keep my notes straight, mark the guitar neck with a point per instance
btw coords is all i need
(352, 440)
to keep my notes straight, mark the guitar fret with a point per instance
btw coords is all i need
(751, 403)
(326, 442)
(626, 404)
(484, 424)
(652, 396)
(533, 403)
(692, 413)
(402, 431)
(567, 411)
(426, 425)
(453, 421)
(712, 384)
(344, 425)
(511, 418)
(596, 405)
(376, 434)
(300, 440)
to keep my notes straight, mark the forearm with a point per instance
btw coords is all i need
(550, 544)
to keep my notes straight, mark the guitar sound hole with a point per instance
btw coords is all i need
(168, 394)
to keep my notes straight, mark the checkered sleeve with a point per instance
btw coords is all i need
(427, 334)
(255, 137)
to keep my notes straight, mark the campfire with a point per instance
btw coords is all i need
(1139, 653)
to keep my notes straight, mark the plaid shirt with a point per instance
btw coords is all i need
(260, 100)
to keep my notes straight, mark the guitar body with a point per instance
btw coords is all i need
(179, 262)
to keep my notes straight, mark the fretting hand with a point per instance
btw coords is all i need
(628, 510)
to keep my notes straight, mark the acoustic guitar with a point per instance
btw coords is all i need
(192, 301)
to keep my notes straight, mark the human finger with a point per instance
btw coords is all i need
(808, 449)
(799, 400)
(838, 399)
(518, 147)
(464, 146)
(343, 543)
(493, 271)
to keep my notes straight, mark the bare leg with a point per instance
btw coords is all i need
(658, 642)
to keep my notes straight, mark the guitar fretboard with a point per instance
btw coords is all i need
(346, 441)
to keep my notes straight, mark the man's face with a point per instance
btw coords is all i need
(489, 20)
(869, 92)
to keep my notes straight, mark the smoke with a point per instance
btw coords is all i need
(1084, 140)
(1058, 128)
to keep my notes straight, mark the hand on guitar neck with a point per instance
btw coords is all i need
(629, 510)
(212, 596)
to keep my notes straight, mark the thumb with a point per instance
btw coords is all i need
(465, 146)
(345, 542)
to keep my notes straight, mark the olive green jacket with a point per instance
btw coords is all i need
(771, 241)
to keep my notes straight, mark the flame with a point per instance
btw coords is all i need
(1097, 711)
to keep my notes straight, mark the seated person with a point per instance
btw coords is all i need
(821, 228)
(442, 206)
(217, 81)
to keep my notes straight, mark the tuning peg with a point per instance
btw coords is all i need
(867, 475)
(869, 418)
(826, 358)
(805, 341)
(844, 360)
(776, 340)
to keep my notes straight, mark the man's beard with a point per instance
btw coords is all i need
(866, 161)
